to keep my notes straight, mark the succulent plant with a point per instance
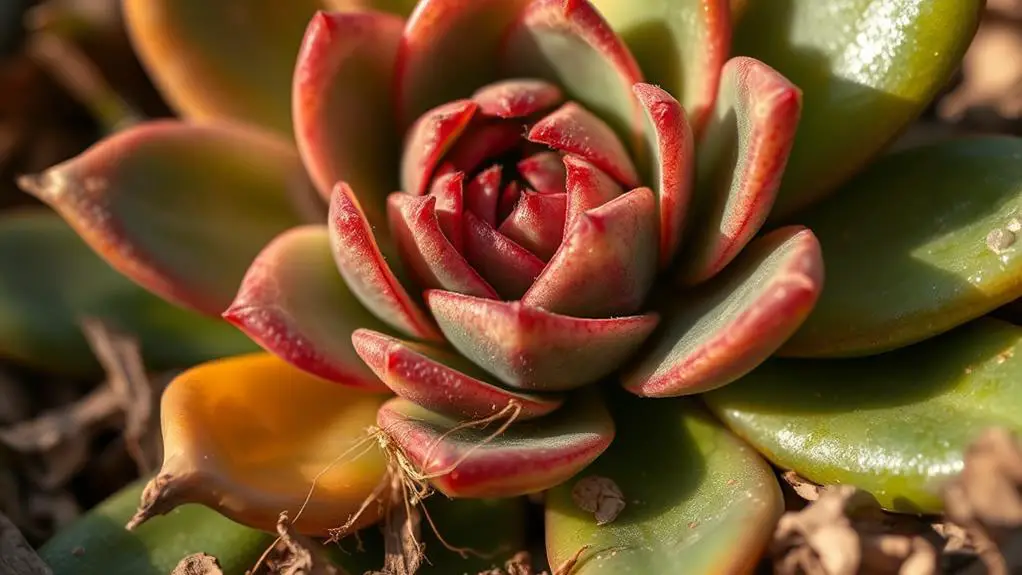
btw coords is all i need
(533, 213)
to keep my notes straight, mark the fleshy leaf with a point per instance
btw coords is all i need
(269, 435)
(50, 280)
(295, 304)
(616, 243)
(537, 222)
(154, 548)
(483, 140)
(729, 325)
(449, 191)
(587, 187)
(342, 106)
(448, 50)
(429, 139)
(366, 272)
(507, 266)
(741, 161)
(867, 69)
(427, 251)
(443, 382)
(533, 349)
(483, 193)
(710, 507)
(544, 171)
(568, 42)
(517, 98)
(672, 163)
(527, 457)
(895, 425)
(181, 209)
(574, 130)
(681, 45)
(920, 242)
(222, 60)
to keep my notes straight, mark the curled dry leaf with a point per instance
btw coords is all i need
(986, 500)
(403, 546)
(198, 564)
(844, 533)
(600, 496)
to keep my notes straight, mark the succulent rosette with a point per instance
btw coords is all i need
(472, 223)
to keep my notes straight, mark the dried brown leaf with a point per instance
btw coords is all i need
(403, 548)
(844, 532)
(986, 500)
(295, 554)
(198, 564)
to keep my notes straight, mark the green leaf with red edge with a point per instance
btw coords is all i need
(867, 68)
(908, 247)
(695, 496)
(295, 304)
(741, 162)
(222, 60)
(681, 46)
(533, 349)
(343, 106)
(527, 457)
(444, 382)
(434, 65)
(182, 209)
(568, 42)
(729, 325)
(895, 424)
(50, 280)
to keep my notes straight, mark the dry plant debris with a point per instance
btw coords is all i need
(844, 532)
(599, 496)
(295, 554)
(986, 500)
(198, 564)
(521, 564)
(801, 486)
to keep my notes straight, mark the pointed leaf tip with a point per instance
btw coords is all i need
(295, 304)
(309, 434)
(181, 209)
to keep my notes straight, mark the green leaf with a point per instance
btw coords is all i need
(222, 60)
(180, 208)
(494, 529)
(694, 495)
(895, 424)
(98, 544)
(866, 69)
(906, 247)
(50, 279)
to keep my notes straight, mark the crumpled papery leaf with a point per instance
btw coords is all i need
(986, 499)
(843, 533)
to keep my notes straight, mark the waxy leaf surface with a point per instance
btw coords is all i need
(50, 280)
(222, 60)
(268, 434)
(154, 548)
(866, 68)
(909, 251)
(698, 497)
(895, 425)
(180, 208)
